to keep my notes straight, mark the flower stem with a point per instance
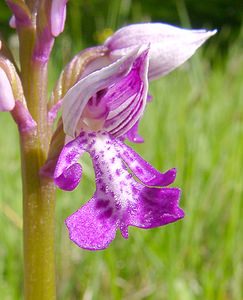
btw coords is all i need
(38, 192)
(38, 215)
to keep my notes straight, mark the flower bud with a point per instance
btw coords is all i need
(58, 16)
(21, 14)
(7, 101)
(10, 84)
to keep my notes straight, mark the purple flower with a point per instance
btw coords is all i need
(99, 112)
(58, 16)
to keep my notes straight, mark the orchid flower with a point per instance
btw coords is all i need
(102, 109)
(120, 200)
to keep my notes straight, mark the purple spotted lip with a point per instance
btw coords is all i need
(129, 191)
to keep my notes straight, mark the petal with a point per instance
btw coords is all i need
(142, 169)
(119, 200)
(156, 207)
(68, 172)
(7, 100)
(78, 96)
(132, 134)
(170, 46)
(126, 100)
(89, 228)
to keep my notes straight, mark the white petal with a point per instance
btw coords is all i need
(170, 46)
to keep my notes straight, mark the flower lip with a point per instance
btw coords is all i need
(119, 200)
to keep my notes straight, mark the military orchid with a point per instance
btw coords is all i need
(99, 112)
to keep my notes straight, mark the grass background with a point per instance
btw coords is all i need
(194, 123)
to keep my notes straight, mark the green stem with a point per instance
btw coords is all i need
(38, 215)
(38, 192)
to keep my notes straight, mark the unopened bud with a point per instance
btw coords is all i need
(7, 101)
(58, 16)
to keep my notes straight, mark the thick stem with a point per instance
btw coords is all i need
(38, 192)
(39, 227)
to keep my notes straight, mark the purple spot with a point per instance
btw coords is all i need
(118, 205)
(70, 157)
(107, 213)
(102, 188)
(134, 190)
(101, 203)
(128, 176)
(139, 169)
(91, 134)
(83, 141)
(118, 172)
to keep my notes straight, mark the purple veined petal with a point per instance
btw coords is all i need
(7, 101)
(142, 169)
(125, 114)
(123, 121)
(58, 16)
(132, 134)
(68, 171)
(78, 96)
(119, 200)
(170, 46)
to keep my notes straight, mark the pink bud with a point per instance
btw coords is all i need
(12, 22)
(7, 101)
(58, 16)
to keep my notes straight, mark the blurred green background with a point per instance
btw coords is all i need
(194, 123)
